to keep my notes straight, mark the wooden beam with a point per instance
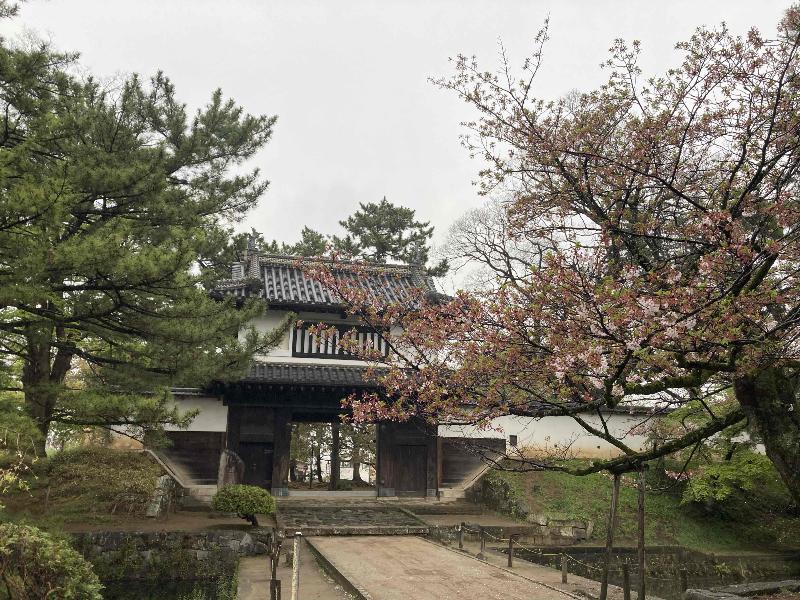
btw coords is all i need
(282, 440)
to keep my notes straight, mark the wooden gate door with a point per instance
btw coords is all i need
(257, 457)
(411, 470)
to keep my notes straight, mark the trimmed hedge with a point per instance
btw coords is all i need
(244, 500)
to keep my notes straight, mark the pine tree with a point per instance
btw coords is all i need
(109, 200)
(383, 232)
(378, 233)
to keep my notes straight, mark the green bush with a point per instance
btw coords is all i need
(719, 482)
(33, 564)
(103, 480)
(244, 500)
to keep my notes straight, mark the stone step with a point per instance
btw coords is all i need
(452, 493)
(451, 507)
(198, 496)
(351, 530)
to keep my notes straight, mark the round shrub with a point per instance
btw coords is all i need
(33, 564)
(244, 500)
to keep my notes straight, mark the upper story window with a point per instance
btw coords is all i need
(306, 344)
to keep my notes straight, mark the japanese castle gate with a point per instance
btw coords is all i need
(300, 381)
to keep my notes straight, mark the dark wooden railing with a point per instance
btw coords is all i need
(306, 344)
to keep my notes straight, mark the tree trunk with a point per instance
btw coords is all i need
(40, 408)
(771, 403)
(357, 464)
(335, 451)
(311, 468)
(641, 556)
(293, 469)
(318, 461)
(612, 523)
(43, 376)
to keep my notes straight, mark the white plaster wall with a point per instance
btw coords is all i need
(554, 433)
(213, 414)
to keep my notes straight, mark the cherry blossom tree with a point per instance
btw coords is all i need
(659, 218)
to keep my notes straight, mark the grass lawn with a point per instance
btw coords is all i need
(750, 522)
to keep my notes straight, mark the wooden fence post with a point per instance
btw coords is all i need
(684, 582)
(640, 594)
(461, 536)
(481, 554)
(510, 551)
(612, 522)
(296, 567)
(626, 581)
(564, 568)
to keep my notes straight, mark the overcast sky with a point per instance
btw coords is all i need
(357, 118)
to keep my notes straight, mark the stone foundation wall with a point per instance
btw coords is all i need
(170, 555)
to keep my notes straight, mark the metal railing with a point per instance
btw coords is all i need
(565, 559)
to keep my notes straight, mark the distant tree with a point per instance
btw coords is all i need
(358, 446)
(312, 243)
(382, 232)
(110, 198)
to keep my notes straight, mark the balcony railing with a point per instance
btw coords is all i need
(306, 344)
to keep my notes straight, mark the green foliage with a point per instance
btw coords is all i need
(377, 232)
(224, 589)
(244, 500)
(33, 564)
(102, 480)
(756, 521)
(19, 439)
(111, 195)
(382, 231)
(717, 482)
(504, 492)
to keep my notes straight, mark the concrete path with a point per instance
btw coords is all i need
(404, 567)
(315, 584)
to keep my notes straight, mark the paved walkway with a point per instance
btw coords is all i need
(314, 583)
(403, 567)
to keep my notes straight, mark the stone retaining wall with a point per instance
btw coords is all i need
(744, 590)
(173, 555)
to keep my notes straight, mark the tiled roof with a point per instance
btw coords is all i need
(292, 374)
(280, 281)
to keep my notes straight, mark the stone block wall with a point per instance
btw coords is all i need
(170, 555)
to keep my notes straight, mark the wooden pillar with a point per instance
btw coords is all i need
(384, 476)
(432, 470)
(282, 440)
